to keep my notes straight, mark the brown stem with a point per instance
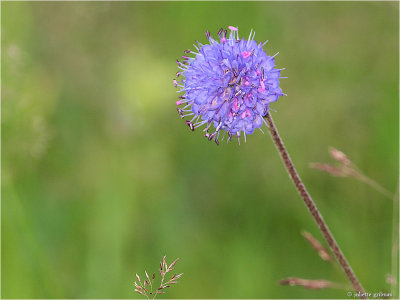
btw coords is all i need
(312, 207)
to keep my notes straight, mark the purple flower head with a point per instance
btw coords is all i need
(228, 84)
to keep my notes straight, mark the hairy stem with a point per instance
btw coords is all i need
(311, 206)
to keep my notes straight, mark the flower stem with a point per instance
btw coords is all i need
(312, 207)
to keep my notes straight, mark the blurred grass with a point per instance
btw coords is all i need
(100, 177)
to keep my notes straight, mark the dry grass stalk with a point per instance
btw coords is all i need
(310, 284)
(164, 284)
(328, 169)
(340, 156)
(346, 168)
(321, 250)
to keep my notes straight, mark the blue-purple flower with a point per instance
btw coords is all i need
(228, 84)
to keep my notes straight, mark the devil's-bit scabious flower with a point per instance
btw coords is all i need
(228, 84)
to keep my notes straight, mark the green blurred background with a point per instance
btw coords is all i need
(101, 178)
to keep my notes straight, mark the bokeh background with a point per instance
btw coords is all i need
(101, 178)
